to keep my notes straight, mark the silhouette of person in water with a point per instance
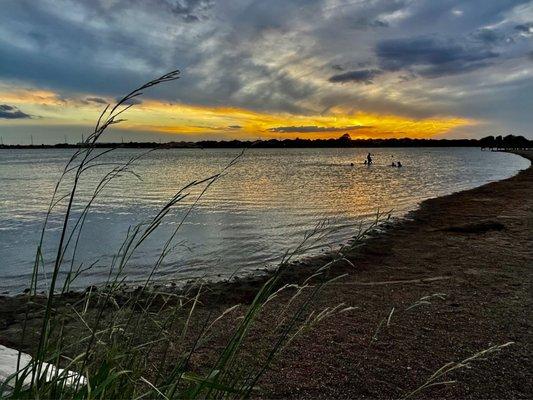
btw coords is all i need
(399, 164)
(368, 159)
(393, 164)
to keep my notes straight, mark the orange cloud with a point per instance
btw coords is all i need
(192, 119)
(30, 96)
(179, 118)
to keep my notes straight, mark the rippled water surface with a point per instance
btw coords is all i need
(260, 208)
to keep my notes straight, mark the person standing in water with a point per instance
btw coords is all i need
(368, 159)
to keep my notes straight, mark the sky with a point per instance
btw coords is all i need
(267, 69)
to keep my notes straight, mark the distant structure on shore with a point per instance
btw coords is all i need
(489, 142)
(509, 142)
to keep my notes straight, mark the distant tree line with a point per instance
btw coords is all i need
(505, 142)
(490, 142)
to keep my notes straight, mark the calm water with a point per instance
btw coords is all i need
(246, 220)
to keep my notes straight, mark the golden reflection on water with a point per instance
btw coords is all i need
(251, 216)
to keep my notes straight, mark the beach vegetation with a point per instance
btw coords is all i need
(119, 341)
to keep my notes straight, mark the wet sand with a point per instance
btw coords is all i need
(473, 247)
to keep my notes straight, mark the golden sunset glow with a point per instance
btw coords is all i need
(185, 119)
(276, 199)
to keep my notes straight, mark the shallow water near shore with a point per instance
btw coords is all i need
(247, 220)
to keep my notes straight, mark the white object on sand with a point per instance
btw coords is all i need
(8, 369)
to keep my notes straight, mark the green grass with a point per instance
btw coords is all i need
(161, 344)
(144, 343)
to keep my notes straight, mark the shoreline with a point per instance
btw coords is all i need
(259, 275)
(243, 288)
(473, 246)
(300, 268)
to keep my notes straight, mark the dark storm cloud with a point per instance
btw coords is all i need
(97, 100)
(191, 10)
(488, 36)
(220, 128)
(358, 76)
(65, 73)
(432, 57)
(365, 15)
(364, 23)
(63, 55)
(241, 80)
(186, 10)
(130, 102)
(312, 128)
(379, 24)
(526, 28)
(12, 112)
(111, 58)
(276, 55)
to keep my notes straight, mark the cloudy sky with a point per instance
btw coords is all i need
(276, 68)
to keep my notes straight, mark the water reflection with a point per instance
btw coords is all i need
(261, 207)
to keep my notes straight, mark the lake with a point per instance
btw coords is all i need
(259, 209)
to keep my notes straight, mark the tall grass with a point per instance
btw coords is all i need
(108, 342)
(146, 343)
(439, 377)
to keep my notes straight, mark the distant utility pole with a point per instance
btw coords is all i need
(65, 138)
(31, 136)
(2, 140)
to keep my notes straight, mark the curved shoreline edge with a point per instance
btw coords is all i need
(464, 261)
(472, 248)
(301, 267)
(243, 289)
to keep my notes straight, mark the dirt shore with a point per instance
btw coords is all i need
(476, 248)
(471, 251)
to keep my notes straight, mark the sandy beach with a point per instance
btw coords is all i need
(470, 252)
